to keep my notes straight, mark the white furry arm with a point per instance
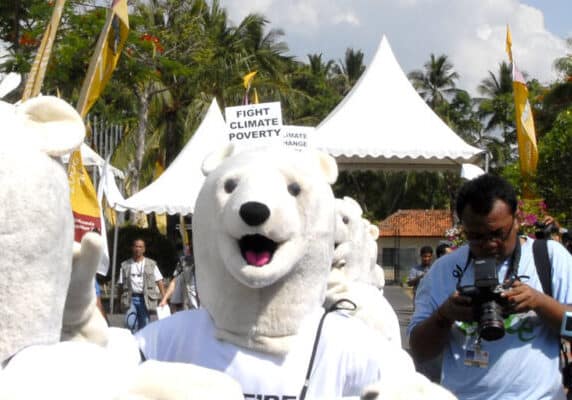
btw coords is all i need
(82, 320)
(176, 381)
(411, 387)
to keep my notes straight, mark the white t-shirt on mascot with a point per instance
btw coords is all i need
(263, 234)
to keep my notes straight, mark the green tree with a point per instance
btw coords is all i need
(436, 82)
(554, 173)
(349, 70)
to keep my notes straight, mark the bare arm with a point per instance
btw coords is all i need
(169, 292)
(161, 287)
(428, 338)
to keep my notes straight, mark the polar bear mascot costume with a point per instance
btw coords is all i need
(353, 274)
(54, 344)
(263, 235)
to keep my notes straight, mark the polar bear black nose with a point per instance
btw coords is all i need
(254, 213)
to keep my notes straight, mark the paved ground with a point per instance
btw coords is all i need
(400, 300)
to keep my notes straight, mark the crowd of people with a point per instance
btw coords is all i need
(455, 310)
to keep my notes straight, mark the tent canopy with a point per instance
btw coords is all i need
(176, 190)
(383, 123)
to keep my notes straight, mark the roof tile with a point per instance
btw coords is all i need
(416, 223)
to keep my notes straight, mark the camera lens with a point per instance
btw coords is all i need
(491, 324)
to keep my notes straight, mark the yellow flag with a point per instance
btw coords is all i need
(184, 235)
(83, 198)
(508, 43)
(38, 70)
(255, 100)
(160, 219)
(106, 55)
(247, 79)
(525, 132)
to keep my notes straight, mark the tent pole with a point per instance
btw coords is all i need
(113, 265)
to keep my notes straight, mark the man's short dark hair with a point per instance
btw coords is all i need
(426, 250)
(441, 250)
(482, 192)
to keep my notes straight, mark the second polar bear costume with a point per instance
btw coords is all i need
(353, 274)
(263, 233)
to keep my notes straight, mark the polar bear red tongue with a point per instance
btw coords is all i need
(257, 259)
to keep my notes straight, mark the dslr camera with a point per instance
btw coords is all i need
(490, 309)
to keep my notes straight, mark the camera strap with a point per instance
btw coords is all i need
(511, 272)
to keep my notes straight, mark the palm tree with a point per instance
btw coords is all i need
(350, 70)
(496, 108)
(436, 82)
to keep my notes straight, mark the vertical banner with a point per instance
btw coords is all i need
(106, 55)
(38, 70)
(84, 202)
(107, 51)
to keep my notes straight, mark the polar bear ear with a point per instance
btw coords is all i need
(353, 205)
(372, 229)
(215, 158)
(328, 166)
(54, 124)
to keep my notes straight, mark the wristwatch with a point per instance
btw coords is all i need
(566, 327)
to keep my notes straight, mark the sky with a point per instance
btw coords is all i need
(470, 32)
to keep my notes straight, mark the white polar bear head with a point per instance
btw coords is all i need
(377, 276)
(263, 239)
(353, 252)
(36, 233)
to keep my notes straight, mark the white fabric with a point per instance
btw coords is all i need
(470, 171)
(176, 190)
(342, 367)
(383, 123)
(90, 158)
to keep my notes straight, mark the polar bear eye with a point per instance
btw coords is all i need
(345, 219)
(230, 185)
(294, 189)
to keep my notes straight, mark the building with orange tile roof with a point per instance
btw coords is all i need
(403, 233)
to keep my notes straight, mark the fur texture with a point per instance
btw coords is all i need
(36, 234)
(263, 234)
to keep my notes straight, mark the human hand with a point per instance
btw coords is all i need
(457, 308)
(163, 302)
(522, 297)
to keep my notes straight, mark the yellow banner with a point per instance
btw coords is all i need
(106, 55)
(38, 69)
(83, 198)
(247, 79)
(525, 132)
(508, 43)
(160, 219)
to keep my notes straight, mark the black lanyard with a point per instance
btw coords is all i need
(511, 272)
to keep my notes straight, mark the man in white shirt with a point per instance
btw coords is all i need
(142, 282)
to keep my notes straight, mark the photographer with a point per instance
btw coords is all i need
(522, 362)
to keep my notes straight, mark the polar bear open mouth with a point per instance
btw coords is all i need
(257, 250)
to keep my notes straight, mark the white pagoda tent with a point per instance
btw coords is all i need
(383, 123)
(176, 190)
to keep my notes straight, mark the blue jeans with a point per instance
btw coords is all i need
(137, 316)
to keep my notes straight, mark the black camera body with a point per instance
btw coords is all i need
(490, 308)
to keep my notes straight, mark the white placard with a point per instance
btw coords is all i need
(254, 124)
(297, 137)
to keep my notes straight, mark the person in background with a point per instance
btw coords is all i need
(140, 287)
(522, 360)
(182, 291)
(98, 302)
(442, 249)
(418, 272)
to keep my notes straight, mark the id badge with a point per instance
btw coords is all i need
(476, 357)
